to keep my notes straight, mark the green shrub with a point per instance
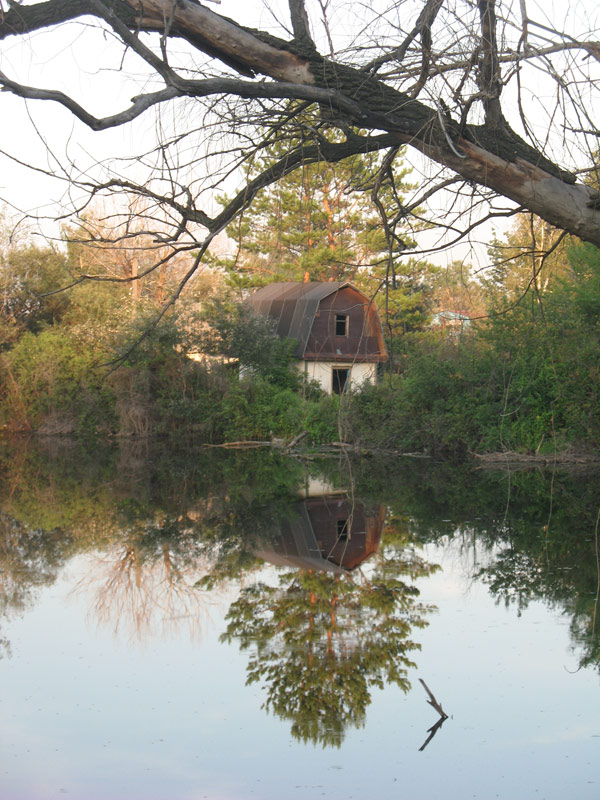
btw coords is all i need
(52, 384)
(321, 419)
(255, 409)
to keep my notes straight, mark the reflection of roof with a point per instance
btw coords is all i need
(293, 306)
(296, 546)
(312, 540)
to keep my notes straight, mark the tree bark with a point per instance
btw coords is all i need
(490, 155)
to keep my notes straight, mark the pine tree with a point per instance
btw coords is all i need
(320, 223)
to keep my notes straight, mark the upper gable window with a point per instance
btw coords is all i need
(341, 325)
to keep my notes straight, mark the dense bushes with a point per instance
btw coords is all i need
(442, 401)
(55, 383)
(526, 381)
(92, 363)
(51, 384)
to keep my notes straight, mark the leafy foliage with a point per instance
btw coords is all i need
(51, 382)
(235, 332)
(320, 642)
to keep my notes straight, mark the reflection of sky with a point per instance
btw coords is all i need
(88, 717)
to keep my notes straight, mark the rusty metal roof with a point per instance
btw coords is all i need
(293, 307)
(294, 544)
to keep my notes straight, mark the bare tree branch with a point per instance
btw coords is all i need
(423, 23)
(300, 24)
(490, 79)
(459, 77)
(187, 88)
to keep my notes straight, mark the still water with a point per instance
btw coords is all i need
(180, 625)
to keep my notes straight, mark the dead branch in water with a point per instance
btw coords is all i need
(432, 700)
(432, 732)
(438, 707)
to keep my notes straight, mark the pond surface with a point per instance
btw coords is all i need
(183, 625)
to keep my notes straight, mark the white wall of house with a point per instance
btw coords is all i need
(322, 372)
(315, 487)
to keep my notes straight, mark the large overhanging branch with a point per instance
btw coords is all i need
(308, 154)
(491, 154)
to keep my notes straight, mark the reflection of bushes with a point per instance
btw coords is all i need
(155, 521)
(535, 530)
(53, 483)
(29, 559)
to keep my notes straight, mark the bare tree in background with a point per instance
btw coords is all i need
(495, 95)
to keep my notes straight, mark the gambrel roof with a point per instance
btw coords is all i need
(294, 306)
(311, 539)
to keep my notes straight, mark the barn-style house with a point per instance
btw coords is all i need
(334, 533)
(336, 327)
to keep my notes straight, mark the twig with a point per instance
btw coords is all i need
(438, 707)
(432, 732)
(241, 444)
(433, 702)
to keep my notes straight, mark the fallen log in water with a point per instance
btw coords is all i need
(509, 457)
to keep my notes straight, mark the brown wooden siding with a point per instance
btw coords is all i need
(365, 527)
(364, 341)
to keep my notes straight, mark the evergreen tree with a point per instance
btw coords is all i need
(321, 223)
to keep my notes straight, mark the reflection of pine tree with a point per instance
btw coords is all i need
(320, 642)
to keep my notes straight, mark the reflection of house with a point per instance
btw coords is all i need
(333, 533)
(337, 328)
